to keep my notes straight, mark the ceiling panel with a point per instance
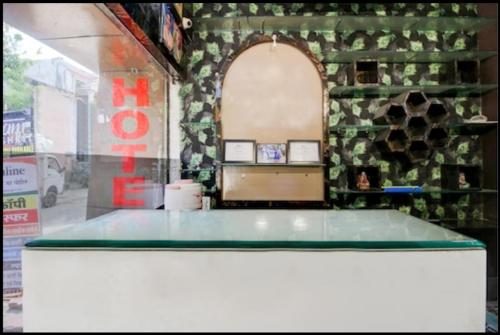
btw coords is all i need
(102, 54)
(81, 32)
(58, 20)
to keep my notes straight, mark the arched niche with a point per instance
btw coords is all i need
(272, 94)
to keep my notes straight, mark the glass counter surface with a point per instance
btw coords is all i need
(256, 229)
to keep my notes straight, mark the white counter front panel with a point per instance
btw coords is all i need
(300, 290)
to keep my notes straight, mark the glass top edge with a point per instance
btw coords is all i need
(252, 244)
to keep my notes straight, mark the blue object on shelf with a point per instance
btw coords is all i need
(403, 189)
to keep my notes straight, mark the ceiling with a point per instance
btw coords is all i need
(82, 32)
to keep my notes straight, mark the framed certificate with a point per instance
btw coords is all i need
(239, 151)
(271, 153)
(304, 151)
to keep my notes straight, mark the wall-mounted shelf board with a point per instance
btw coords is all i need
(434, 90)
(197, 170)
(425, 191)
(343, 23)
(455, 223)
(476, 128)
(473, 221)
(198, 124)
(340, 129)
(406, 56)
(274, 165)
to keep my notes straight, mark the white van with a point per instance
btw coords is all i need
(51, 179)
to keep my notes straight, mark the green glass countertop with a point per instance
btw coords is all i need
(256, 229)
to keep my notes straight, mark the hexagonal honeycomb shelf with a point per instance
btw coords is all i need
(418, 151)
(390, 113)
(411, 99)
(436, 113)
(417, 126)
(436, 136)
(393, 140)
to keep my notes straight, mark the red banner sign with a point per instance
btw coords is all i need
(24, 216)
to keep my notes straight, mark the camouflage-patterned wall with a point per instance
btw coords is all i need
(210, 49)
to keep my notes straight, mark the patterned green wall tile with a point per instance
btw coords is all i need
(209, 51)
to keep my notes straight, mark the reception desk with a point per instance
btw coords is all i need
(254, 270)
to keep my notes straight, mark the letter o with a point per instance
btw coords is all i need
(141, 129)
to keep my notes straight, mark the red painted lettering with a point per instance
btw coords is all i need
(120, 190)
(142, 124)
(140, 92)
(128, 154)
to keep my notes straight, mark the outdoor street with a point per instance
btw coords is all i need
(71, 208)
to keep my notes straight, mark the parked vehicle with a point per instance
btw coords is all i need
(51, 179)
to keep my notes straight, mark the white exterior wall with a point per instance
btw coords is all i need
(55, 120)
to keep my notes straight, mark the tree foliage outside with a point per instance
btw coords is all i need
(17, 92)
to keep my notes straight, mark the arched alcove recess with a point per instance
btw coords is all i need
(272, 95)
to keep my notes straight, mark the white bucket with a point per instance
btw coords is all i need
(183, 196)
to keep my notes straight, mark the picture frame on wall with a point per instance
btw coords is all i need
(178, 41)
(171, 32)
(168, 26)
(271, 153)
(178, 8)
(304, 152)
(239, 151)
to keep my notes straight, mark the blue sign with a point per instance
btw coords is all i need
(18, 134)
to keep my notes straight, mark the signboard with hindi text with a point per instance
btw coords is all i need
(18, 134)
(19, 175)
(20, 215)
